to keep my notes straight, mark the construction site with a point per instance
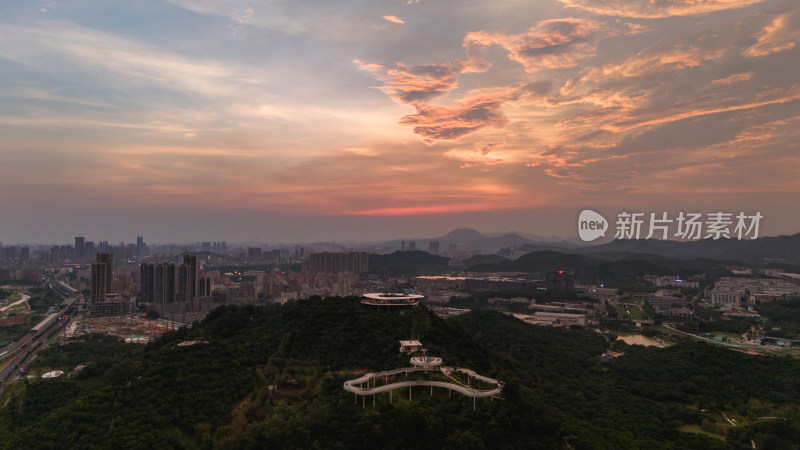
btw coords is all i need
(133, 329)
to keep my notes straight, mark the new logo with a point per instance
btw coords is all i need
(591, 225)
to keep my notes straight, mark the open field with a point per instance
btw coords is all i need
(13, 320)
(132, 329)
(698, 430)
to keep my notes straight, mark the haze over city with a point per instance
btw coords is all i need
(240, 120)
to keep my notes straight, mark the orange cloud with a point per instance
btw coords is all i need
(480, 153)
(648, 61)
(413, 84)
(393, 19)
(433, 209)
(554, 44)
(399, 180)
(793, 95)
(781, 34)
(655, 9)
(735, 78)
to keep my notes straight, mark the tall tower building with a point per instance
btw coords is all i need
(188, 279)
(254, 253)
(559, 280)
(107, 259)
(158, 283)
(205, 287)
(80, 247)
(139, 248)
(99, 282)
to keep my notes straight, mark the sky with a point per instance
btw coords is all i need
(287, 121)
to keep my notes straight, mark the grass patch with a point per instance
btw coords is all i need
(630, 312)
(697, 430)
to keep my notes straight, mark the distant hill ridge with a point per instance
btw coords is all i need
(766, 249)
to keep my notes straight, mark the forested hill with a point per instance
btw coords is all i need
(559, 393)
(408, 263)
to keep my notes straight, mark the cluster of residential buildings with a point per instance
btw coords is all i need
(187, 281)
(670, 302)
(671, 281)
(754, 291)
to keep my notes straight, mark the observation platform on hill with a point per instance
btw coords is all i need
(391, 300)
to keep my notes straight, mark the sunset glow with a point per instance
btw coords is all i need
(269, 118)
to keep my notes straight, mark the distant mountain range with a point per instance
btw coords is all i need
(777, 249)
(765, 250)
(467, 238)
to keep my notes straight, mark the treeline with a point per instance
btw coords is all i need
(93, 349)
(606, 269)
(42, 298)
(783, 316)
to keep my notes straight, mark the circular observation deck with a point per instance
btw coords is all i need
(396, 300)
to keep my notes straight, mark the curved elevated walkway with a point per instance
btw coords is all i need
(355, 385)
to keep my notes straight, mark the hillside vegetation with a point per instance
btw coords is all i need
(272, 376)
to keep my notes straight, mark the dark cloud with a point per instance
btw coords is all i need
(486, 149)
(446, 123)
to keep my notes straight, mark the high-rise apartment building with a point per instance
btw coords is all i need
(204, 289)
(188, 279)
(354, 262)
(108, 260)
(102, 276)
(254, 253)
(98, 282)
(158, 283)
(559, 280)
(80, 244)
(139, 248)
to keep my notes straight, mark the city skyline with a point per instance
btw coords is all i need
(281, 121)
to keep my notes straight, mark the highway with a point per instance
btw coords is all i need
(28, 345)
